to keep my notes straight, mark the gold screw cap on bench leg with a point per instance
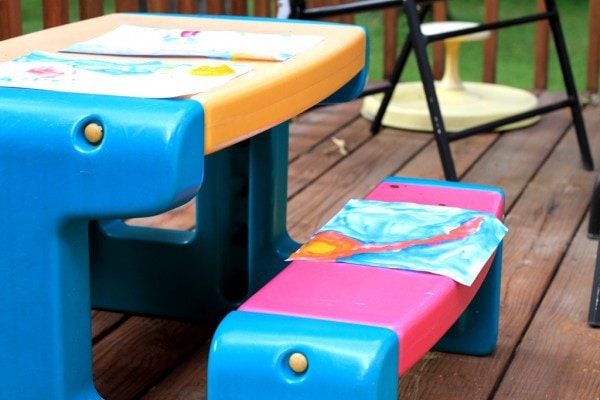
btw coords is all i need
(298, 363)
(93, 133)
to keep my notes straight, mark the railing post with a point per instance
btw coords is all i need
(490, 47)
(10, 19)
(215, 7)
(262, 8)
(593, 46)
(127, 5)
(90, 8)
(238, 7)
(187, 6)
(541, 50)
(159, 6)
(56, 12)
(390, 40)
(440, 13)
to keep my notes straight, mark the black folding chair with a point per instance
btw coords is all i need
(417, 42)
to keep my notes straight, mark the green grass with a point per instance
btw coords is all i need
(516, 44)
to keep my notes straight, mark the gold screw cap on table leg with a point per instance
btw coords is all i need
(93, 133)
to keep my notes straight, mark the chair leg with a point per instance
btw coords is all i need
(594, 313)
(395, 77)
(594, 224)
(567, 72)
(594, 233)
(419, 43)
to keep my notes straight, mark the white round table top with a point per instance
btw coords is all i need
(434, 28)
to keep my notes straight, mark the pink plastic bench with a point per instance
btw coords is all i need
(420, 308)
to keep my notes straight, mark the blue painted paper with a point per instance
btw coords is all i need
(443, 240)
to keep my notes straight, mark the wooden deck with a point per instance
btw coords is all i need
(546, 350)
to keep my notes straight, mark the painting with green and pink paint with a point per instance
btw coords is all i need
(231, 45)
(147, 78)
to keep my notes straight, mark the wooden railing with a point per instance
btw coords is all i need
(56, 12)
(593, 58)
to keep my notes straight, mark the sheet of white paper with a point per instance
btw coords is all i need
(147, 78)
(145, 41)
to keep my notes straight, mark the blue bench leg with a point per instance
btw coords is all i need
(54, 182)
(255, 356)
(476, 331)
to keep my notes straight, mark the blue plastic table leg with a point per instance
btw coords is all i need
(53, 182)
(239, 244)
(272, 357)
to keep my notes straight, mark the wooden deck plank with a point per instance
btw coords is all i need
(104, 322)
(541, 224)
(559, 357)
(312, 128)
(517, 155)
(465, 152)
(315, 161)
(187, 382)
(352, 177)
(141, 352)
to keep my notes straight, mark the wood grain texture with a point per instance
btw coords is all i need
(140, 352)
(560, 352)
(103, 322)
(490, 46)
(351, 177)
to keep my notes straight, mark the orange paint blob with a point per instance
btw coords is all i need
(332, 245)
